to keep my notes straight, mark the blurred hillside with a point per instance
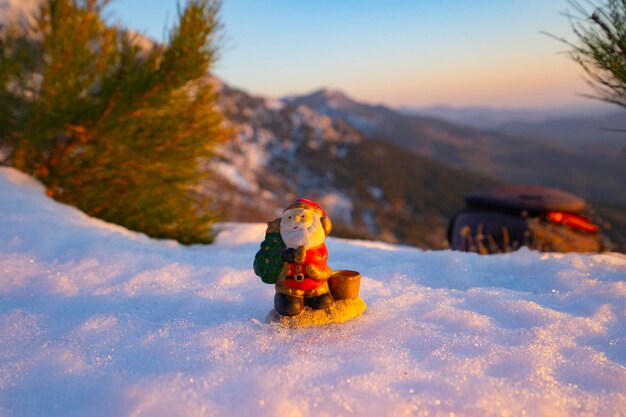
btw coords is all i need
(505, 157)
(371, 189)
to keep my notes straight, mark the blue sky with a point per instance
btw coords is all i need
(398, 52)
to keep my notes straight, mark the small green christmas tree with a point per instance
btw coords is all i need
(268, 263)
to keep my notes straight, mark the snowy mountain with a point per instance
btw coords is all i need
(371, 189)
(263, 163)
(336, 104)
(99, 321)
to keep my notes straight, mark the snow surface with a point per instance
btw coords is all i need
(99, 321)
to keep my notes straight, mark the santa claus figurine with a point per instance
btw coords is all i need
(293, 256)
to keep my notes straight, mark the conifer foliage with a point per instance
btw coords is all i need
(114, 128)
(601, 50)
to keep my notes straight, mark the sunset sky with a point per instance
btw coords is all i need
(397, 52)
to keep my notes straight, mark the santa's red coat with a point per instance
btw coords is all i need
(315, 256)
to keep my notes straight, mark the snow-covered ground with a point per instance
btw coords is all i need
(99, 321)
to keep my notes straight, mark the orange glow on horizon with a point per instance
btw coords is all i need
(504, 85)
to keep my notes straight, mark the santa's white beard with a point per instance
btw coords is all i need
(309, 237)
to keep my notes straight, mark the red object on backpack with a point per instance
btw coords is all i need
(575, 221)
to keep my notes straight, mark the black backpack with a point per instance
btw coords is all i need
(504, 218)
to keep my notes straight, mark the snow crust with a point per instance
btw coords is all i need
(99, 321)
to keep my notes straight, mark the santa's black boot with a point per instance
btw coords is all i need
(287, 305)
(320, 302)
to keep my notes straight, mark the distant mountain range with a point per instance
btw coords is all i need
(504, 156)
(602, 132)
(594, 128)
(490, 118)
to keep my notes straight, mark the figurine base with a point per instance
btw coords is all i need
(342, 310)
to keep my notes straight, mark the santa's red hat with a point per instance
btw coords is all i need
(304, 203)
(307, 204)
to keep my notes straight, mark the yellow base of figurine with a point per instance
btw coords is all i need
(342, 310)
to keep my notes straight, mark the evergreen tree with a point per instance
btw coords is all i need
(601, 50)
(119, 130)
